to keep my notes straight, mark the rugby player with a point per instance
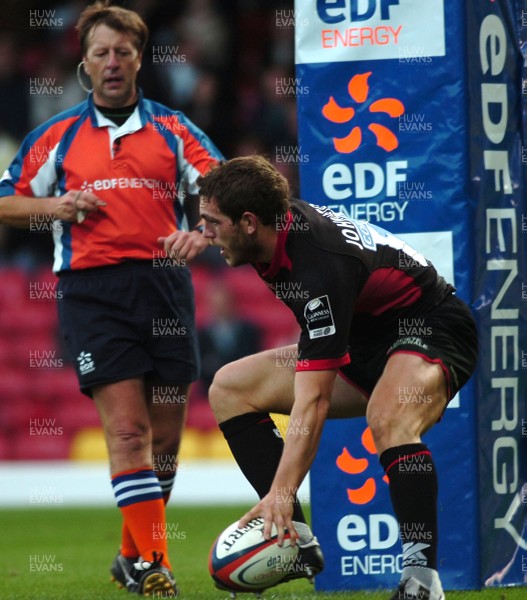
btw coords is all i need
(357, 284)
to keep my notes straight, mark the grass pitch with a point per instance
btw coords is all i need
(65, 553)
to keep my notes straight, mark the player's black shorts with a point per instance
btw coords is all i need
(128, 320)
(445, 335)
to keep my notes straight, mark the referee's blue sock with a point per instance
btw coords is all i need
(413, 491)
(256, 444)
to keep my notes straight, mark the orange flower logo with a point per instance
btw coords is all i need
(353, 466)
(359, 89)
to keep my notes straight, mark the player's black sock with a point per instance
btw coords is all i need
(257, 445)
(413, 490)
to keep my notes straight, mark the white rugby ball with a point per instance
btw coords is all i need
(241, 560)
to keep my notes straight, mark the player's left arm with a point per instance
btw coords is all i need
(313, 391)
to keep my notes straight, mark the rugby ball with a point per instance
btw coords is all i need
(241, 560)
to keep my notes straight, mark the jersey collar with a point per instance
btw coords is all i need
(280, 258)
(135, 122)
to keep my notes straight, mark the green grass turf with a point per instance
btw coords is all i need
(73, 549)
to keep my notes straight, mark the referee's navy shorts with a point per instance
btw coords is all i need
(445, 335)
(129, 320)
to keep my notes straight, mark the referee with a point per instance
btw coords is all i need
(111, 173)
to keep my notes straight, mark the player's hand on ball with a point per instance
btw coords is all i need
(183, 245)
(241, 560)
(275, 508)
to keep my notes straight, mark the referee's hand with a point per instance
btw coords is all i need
(75, 205)
(183, 245)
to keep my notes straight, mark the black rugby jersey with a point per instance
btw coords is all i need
(346, 282)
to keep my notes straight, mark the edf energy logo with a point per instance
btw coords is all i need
(349, 30)
(355, 125)
(357, 118)
(358, 89)
(355, 466)
(372, 539)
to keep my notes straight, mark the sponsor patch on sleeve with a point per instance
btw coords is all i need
(319, 318)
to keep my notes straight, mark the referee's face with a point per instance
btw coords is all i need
(112, 62)
(236, 244)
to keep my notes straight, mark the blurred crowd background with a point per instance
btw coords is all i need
(228, 65)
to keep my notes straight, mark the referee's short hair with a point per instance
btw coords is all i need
(114, 17)
(247, 183)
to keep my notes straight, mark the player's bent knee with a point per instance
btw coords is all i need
(228, 394)
(222, 393)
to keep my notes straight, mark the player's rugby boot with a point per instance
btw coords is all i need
(153, 579)
(121, 569)
(309, 561)
(412, 589)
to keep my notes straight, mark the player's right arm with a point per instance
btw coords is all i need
(18, 210)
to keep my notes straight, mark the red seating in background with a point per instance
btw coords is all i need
(5, 447)
(15, 386)
(59, 386)
(15, 287)
(200, 416)
(254, 302)
(20, 413)
(41, 447)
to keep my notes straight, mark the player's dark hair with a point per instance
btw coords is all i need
(247, 184)
(115, 17)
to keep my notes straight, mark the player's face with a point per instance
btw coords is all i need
(236, 247)
(112, 62)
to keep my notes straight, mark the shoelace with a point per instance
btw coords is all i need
(158, 558)
(155, 563)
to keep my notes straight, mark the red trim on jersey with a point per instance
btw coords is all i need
(435, 361)
(387, 287)
(401, 458)
(280, 258)
(322, 364)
